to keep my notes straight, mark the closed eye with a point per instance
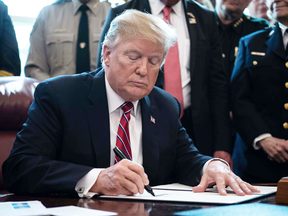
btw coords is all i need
(154, 60)
(133, 54)
(133, 57)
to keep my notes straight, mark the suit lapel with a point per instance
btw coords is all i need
(192, 29)
(150, 144)
(275, 42)
(98, 118)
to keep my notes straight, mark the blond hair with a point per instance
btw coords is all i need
(133, 24)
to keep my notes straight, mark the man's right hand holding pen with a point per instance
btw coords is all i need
(125, 177)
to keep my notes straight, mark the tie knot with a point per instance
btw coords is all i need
(166, 11)
(83, 8)
(126, 107)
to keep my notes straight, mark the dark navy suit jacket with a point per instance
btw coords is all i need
(209, 86)
(258, 96)
(67, 134)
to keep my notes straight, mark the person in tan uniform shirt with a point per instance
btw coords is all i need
(54, 36)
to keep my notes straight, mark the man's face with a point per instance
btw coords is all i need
(280, 11)
(170, 2)
(232, 6)
(132, 67)
(258, 9)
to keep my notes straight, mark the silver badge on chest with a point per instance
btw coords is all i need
(82, 45)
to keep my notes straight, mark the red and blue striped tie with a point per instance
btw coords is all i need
(123, 138)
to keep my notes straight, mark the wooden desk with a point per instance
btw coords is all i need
(123, 207)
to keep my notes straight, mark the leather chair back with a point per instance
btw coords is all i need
(16, 95)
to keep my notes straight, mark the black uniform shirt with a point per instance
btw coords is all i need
(231, 34)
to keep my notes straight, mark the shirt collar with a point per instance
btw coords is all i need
(92, 5)
(157, 7)
(283, 28)
(115, 101)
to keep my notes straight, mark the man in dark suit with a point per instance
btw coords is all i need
(66, 144)
(9, 53)
(206, 113)
(259, 89)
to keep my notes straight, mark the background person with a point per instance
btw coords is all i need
(232, 25)
(259, 94)
(258, 9)
(9, 53)
(65, 38)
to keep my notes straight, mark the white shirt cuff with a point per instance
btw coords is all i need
(85, 183)
(213, 159)
(259, 138)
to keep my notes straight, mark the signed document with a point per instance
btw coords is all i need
(183, 193)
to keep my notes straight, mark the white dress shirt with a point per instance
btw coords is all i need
(135, 130)
(178, 21)
(284, 34)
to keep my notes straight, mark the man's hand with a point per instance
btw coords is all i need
(225, 156)
(125, 177)
(219, 173)
(277, 149)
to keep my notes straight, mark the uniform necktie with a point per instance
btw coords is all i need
(83, 55)
(123, 138)
(172, 72)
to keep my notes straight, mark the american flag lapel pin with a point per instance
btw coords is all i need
(192, 19)
(152, 119)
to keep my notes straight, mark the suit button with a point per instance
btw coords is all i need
(255, 62)
(286, 84)
(286, 64)
(286, 106)
(285, 125)
(223, 55)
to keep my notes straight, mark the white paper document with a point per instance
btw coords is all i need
(77, 211)
(23, 208)
(183, 193)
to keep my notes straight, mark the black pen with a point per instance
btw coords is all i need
(121, 155)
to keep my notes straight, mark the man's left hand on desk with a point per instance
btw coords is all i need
(219, 173)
